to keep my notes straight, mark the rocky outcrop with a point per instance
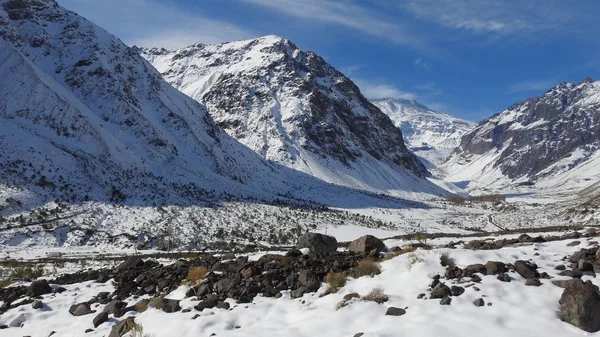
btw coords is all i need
(580, 306)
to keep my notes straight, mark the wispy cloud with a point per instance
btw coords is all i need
(151, 24)
(497, 17)
(535, 85)
(376, 89)
(351, 15)
(423, 64)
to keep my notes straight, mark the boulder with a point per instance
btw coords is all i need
(446, 300)
(100, 318)
(479, 302)
(366, 244)
(393, 311)
(440, 290)
(80, 309)
(114, 305)
(317, 243)
(37, 288)
(580, 306)
(457, 291)
(309, 280)
(526, 269)
(494, 267)
(453, 272)
(122, 327)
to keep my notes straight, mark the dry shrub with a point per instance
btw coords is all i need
(336, 281)
(142, 306)
(196, 274)
(455, 199)
(447, 260)
(157, 303)
(285, 260)
(376, 295)
(366, 267)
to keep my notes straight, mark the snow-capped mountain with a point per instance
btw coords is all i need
(293, 108)
(84, 117)
(551, 141)
(430, 134)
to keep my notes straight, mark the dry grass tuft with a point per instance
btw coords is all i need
(376, 295)
(336, 282)
(196, 274)
(366, 267)
(447, 260)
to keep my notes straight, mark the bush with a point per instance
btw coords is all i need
(6, 282)
(27, 272)
(376, 295)
(142, 305)
(336, 282)
(195, 274)
(157, 303)
(137, 330)
(365, 267)
(446, 260)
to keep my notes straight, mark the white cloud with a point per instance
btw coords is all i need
(423, 64)
(151, 24)
(351, 15)
(375, 90)
(496, 17)
(526, 86)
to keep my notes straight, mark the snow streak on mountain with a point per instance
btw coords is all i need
(551, 141)
(293, 108)
(430, 134)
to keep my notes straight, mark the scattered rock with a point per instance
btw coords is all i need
(420, 296)
(479, 302)
(580, 306)
(350, 296)
(453, 272)
(494, 267)
(38, 288)
(317, 243)
(37, 304)
(526, 269)
(456, 290)
(504, 277)
(440, 291)
(393, 311)
(359, 334)
(533, 282)
(122, 327)
(223, 305)
(574, 243)
(114, 305)
(367, 243)
(560, 267)
(446, 300)
(81, 309)
(100, 318)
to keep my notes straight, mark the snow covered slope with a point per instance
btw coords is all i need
(293, 108)
(430, 134)
(84, 117)
(550, 141)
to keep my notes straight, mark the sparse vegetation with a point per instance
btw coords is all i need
(137, 330)
(335, 281)
(446, 260)
(142, 306)
(366, 267)
(376, 295)
(195, 274)
(157, 303)
(26, 272)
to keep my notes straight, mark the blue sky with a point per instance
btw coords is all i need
(470, 58)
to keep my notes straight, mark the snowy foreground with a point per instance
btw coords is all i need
(512, 308)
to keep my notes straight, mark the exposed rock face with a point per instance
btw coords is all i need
(317, 243)
(580, 306)
(367, 243)
(291, 107)
(431, 135)
(539, 138)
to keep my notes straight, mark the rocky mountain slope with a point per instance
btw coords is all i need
(98, 149)
(429, 134)
(293, 108)
(551, 141)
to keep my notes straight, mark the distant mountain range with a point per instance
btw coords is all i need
(551, 141)
(430, 134)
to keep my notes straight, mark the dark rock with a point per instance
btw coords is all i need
(560, 267)
(525, 238)
(195, 316)
(59, 290)
(479, 302)
(504, 277)
(446, 300)
(393, 311)
(122, 327)
(367, 243)
(88, 330)
(566, 283)
(494, 267)
(420, 296)
(453, 272)
(38, 288)
(309, 280)
(359, 334)
(350, 296)
(574, 243)
(474, 268)
(457, 291)
(209, 302)
(114, 305)
(440, 291)
(580, 306)
(37, 304)
(131, 263)
(533, 282)
(223, 305)
(298, 292)
(584, 265)
(122, 311)
(80, 309)
(317, 243)
(100, 318)
(526, 269)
